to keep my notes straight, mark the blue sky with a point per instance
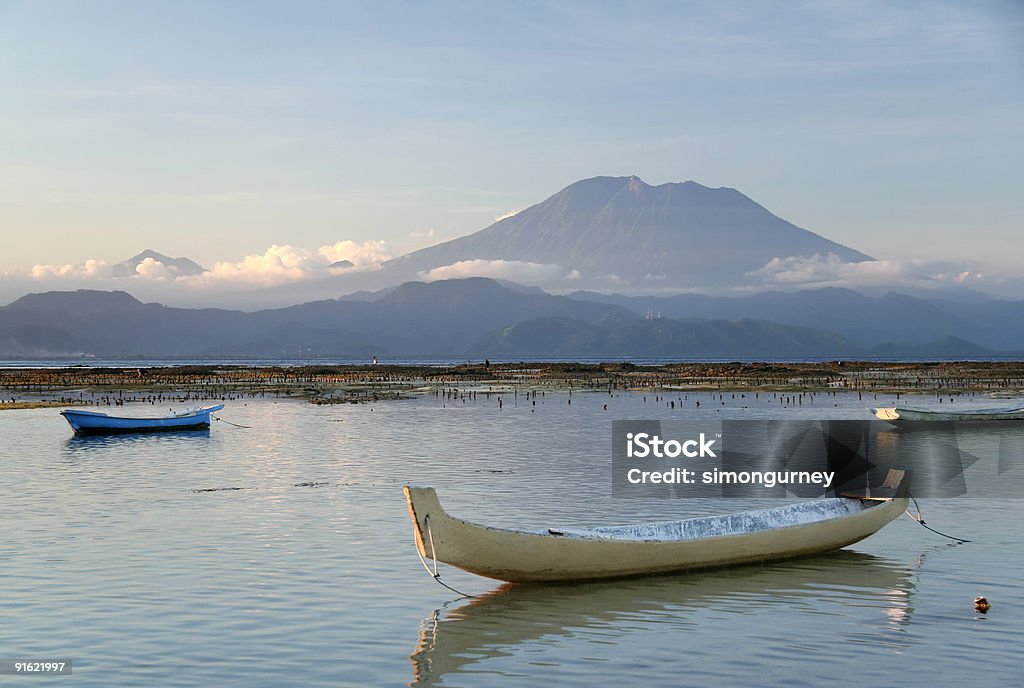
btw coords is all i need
(216, 130)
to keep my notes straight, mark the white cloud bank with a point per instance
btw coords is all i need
(512, 270)
(153, 269)
(89, 269)
(831, 271)
(276, 265)
(232, 283)
(367, 255)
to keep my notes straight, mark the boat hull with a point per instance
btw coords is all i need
(93, 423)
(797, 530)
(898, 415)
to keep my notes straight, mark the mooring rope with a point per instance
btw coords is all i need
(920, 519)
(247, 427)
(435, 574)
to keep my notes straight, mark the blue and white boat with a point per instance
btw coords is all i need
(93, 422)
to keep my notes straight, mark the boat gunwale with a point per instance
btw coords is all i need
(587, 534)
(206, 410)
(609, 536)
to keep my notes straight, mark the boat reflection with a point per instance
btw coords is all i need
(94, 444)
(494, 625)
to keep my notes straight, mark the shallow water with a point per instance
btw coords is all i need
(282, 555)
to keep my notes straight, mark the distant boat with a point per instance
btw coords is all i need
(909, 414)
(92, 422)
(568, 554)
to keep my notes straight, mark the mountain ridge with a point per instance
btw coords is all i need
(867, 320)
(445, 319)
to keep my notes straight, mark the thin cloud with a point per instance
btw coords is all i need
(513, 270)
(511, 213)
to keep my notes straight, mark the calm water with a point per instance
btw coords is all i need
(282, 555)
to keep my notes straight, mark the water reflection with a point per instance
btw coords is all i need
(83, 445)
(501, 622)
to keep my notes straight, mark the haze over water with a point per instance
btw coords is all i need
(282, 554)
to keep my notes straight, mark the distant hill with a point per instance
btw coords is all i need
(865, 320)
(117, 324)
(175, 266)
(80, 303)
(41, 341)
(946, 347)
(664, 338)
(622, 231)
(444, 319)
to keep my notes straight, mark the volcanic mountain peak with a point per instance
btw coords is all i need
(623, 230)
(176, 266)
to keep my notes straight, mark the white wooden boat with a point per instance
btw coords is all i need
(568, 554)
(911, 414)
